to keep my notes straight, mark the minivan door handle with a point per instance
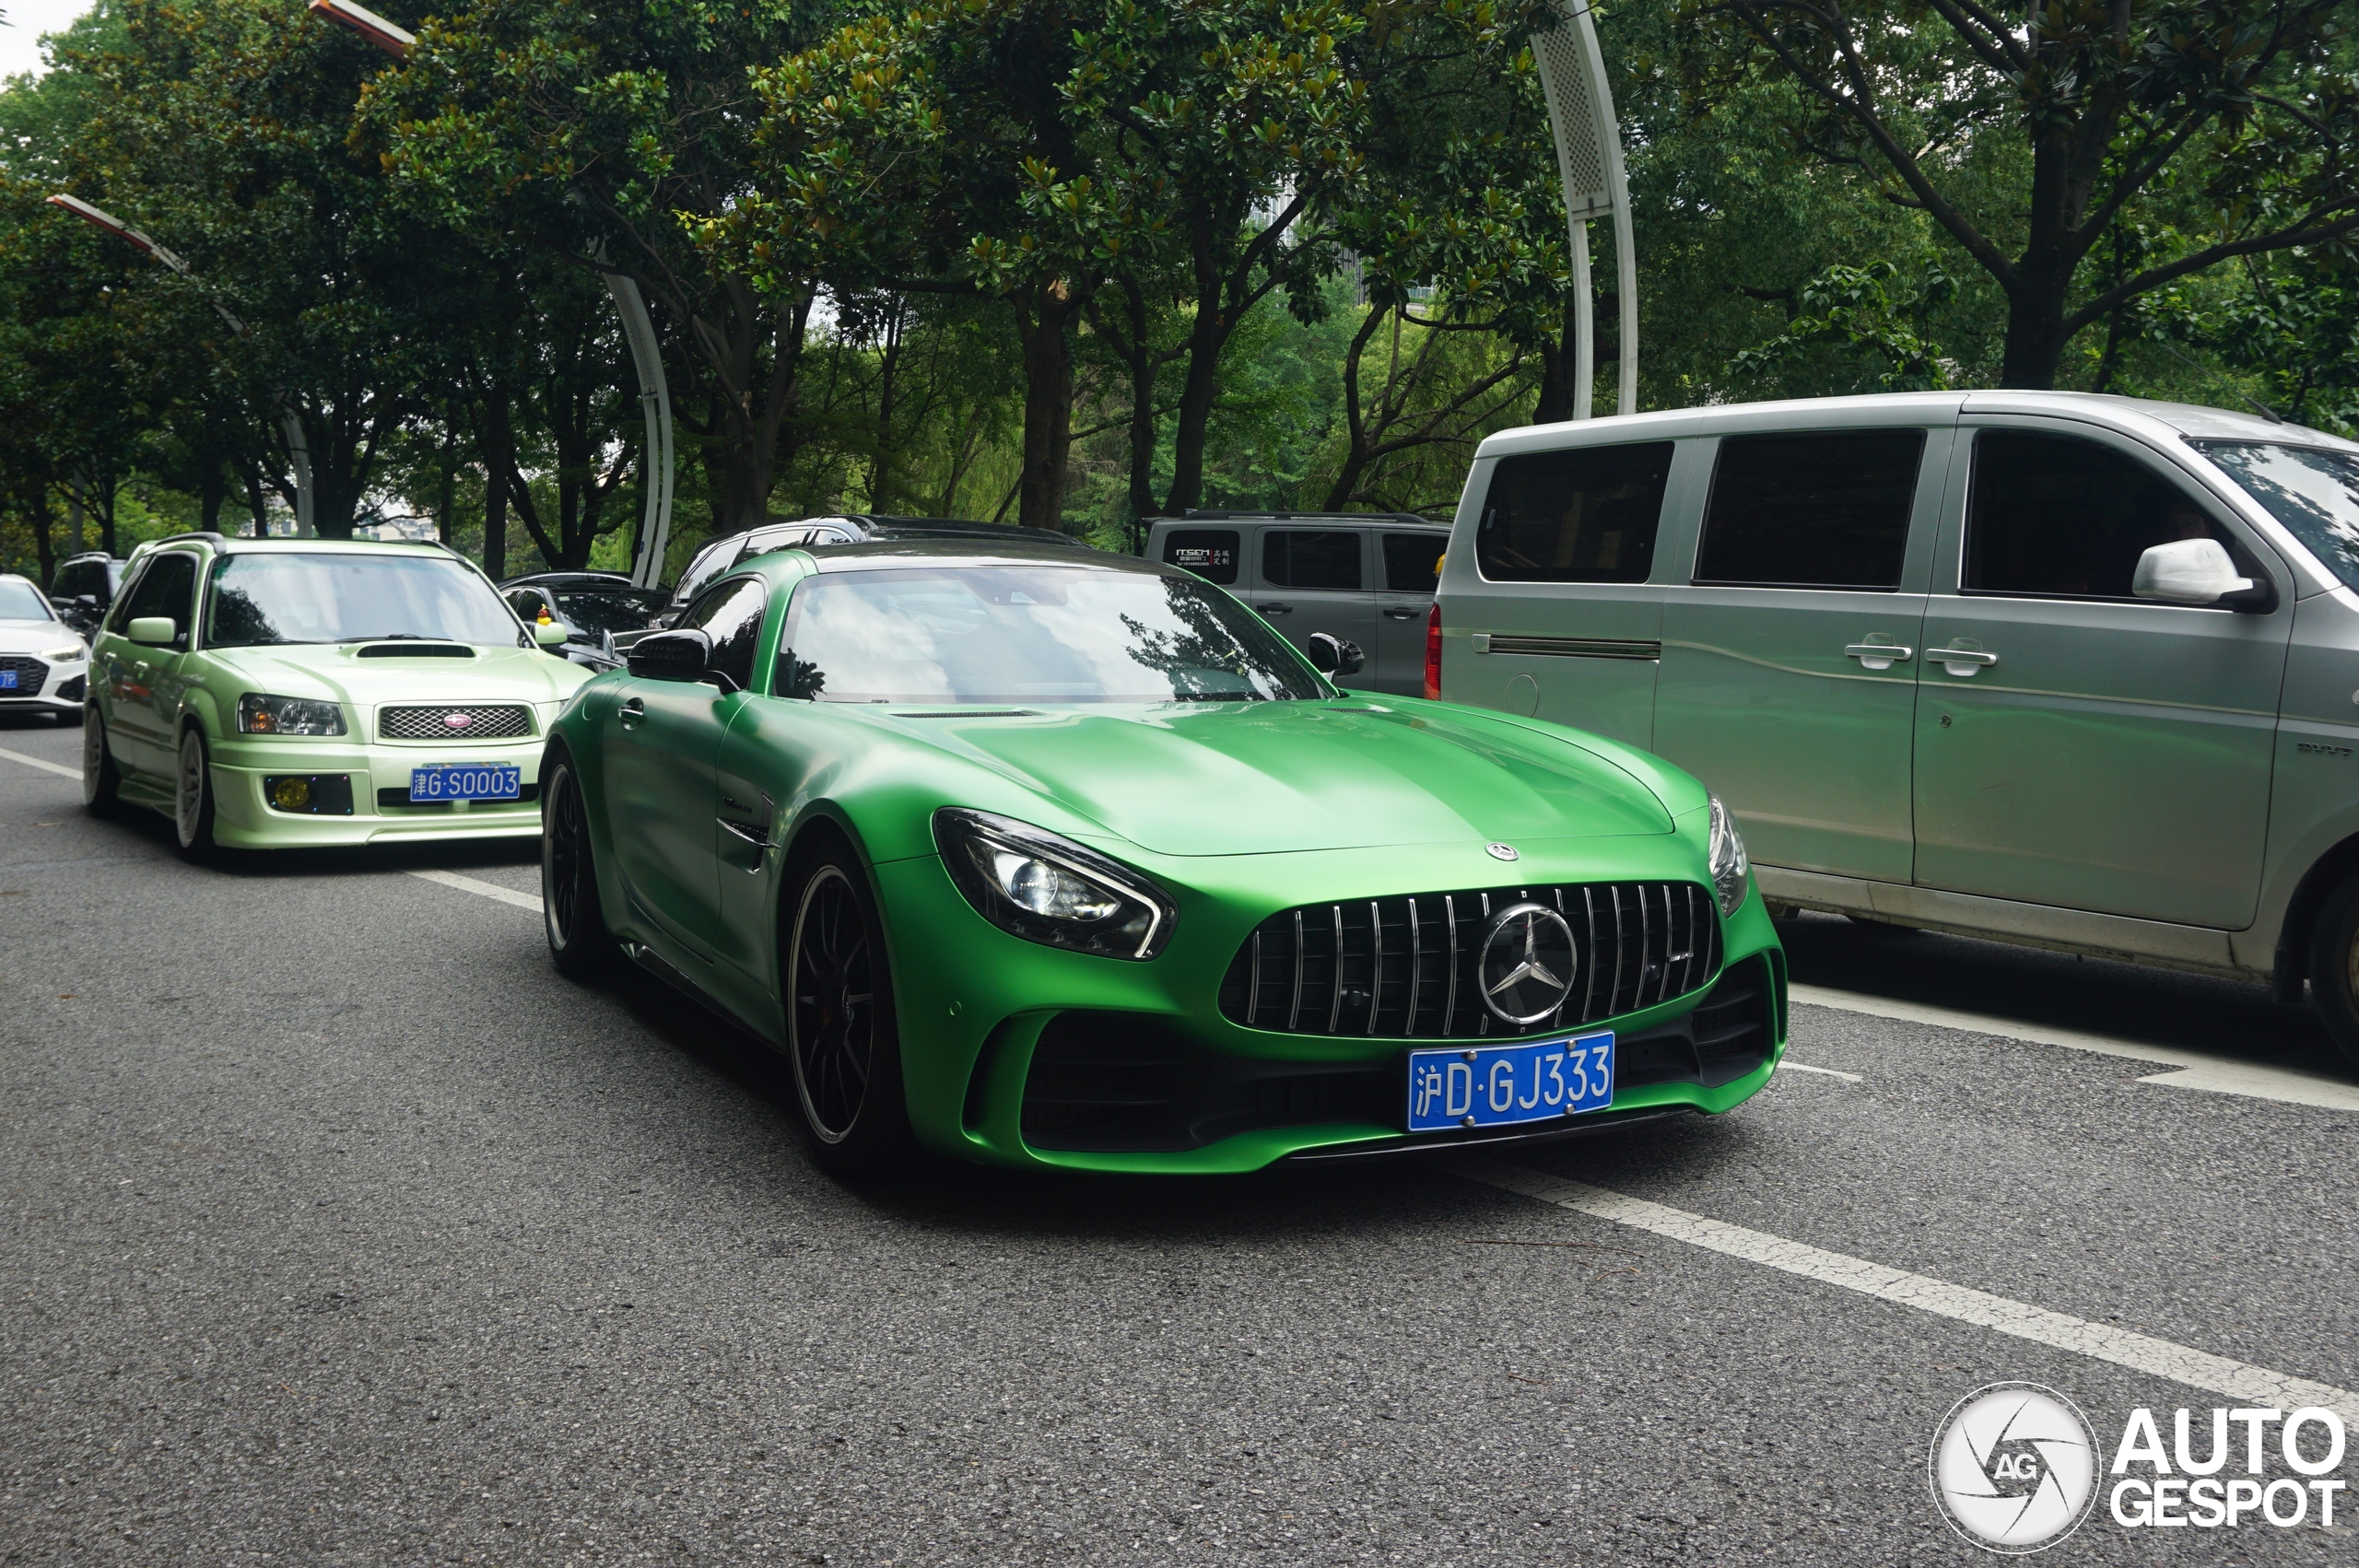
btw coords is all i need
(1277, 609)
(1961, 661)
(1879, 655)
(1402, 612)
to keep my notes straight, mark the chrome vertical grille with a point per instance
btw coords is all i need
(1393, 966)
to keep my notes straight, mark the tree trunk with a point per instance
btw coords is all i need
(2035, 335)
(211, 489)
(1556, 359)
(1044, 322)
(36, 502)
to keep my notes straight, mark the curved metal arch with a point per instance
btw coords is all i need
(1589, 161)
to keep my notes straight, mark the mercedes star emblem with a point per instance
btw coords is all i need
(1500, 852)
(1528, 964)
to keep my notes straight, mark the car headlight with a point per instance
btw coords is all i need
(1032, 883)
(263, 715)
(1726, 855)
(70, 654)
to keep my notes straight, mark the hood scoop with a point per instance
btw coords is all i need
(414, 650)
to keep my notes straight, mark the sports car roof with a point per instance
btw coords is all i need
(969, 551)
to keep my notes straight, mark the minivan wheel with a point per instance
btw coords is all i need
(840, 1033)
(2334, 967)
(192, 798)
(101, 784)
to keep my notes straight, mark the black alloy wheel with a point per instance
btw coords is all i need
(102, 783)
(2334, 967)
(580, 944)
(841, 1033)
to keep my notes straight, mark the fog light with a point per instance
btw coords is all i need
(316, 795)
(291, 794)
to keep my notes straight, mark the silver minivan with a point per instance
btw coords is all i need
(1366, 578)
(2073, 670)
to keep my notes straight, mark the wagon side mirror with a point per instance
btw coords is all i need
(153, 631)
(1331, 655)
(548, 633)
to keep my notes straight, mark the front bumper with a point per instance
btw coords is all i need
(46, 689)
(244, 818)
(1017, 1054)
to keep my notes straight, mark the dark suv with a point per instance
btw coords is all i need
(83, 587)
(848, 528)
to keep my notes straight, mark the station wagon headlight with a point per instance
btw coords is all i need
(1725, 853)
(1033, 883)
(259, 714)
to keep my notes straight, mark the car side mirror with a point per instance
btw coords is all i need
(2196, 571)
(87, 603)
(548, 633)
(1331, 655)
(677, 656)
(152, 630)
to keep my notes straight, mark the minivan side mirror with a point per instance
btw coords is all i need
(676, 656)
(1331, 655)
(2196, 571)
(152, 630)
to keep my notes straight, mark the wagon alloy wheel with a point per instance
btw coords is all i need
(841, 1036)
(192, 799)
(101, 785)
(580, 944)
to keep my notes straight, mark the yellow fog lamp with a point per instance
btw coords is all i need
(291, 794)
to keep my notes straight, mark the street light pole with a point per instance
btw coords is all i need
(639, 327)
(299, 446)
(1589, 161)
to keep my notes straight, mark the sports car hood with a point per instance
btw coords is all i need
(341, 673)
(1265, 778)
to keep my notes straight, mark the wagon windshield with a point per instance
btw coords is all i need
(335, 597)
(1022, 634)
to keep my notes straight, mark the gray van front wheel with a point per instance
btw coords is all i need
(2334, 967)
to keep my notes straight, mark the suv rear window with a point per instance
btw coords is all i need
(1210, 552)
(1811, 511)
(1329, 558)
(1588, 514)
(1412, 561)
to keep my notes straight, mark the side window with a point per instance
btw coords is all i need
(69, 582)
(731, 615)
(1811, 511)
(2058, 517)
(120, 611)
(166, 587)
(1412, 561)
(526, 603)
(1588, 514)
(1210, 552)
(1329, 557)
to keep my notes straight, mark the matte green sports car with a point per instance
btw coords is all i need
(1040, 858)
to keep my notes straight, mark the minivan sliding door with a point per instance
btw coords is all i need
(1789, 680)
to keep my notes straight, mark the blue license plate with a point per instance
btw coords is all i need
(466, 781)
(1509, 1085)
(7, 680)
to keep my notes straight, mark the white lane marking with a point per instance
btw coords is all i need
(44, 767)
(1790, 1065)
(482, 889)
(2206, 1070)
(2140, 1353)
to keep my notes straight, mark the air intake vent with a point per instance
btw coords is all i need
(1406, 966)
(415, 650)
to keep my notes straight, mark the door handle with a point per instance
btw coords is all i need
(631, 712)
(1401, 613)
(1961, 661)
(1277, 609)
(1879, 655)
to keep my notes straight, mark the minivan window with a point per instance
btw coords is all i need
(1585, 514)
(2313, 491)
(1823, 510)
(1326, 559)
(1412, 561)
(2057, 517)
(1210, 552)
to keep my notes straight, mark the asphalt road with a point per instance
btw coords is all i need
(340, 1230)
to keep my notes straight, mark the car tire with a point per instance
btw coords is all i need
(2334, 967)
(192, 797)
(841, 1037)
(101, 782)
(581, 945)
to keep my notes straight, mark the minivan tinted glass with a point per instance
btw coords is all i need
(1327, 558)
(2313, 491)
(1584, 515)
(1210, 552)
(2057, 517)
(1811, 511)
(1412, 561)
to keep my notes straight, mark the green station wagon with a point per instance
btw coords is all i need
(2071, 671)
(281, 693)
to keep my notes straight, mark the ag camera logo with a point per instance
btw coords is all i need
(2013, 1468)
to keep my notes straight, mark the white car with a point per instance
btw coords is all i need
(45, 667)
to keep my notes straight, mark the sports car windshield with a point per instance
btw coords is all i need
(2313, 491)
(1029, 634)
(267, 599)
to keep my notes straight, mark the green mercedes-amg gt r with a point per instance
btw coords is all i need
(1044, 857)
